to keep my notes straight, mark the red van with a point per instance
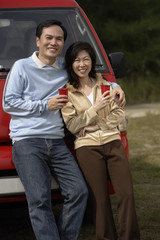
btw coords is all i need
(18, 21)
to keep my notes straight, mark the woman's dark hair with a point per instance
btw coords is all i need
(71, 55)
(47, 24)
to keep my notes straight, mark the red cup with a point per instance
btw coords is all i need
(63, 91)
(105, 88)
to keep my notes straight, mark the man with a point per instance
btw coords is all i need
(36, 129)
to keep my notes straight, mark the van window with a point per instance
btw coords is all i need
(17, 31)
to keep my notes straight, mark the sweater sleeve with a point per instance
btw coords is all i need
(113, 84)
(14, 102)
(75, 122)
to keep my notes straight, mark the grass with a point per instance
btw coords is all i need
(144, 145)
(144, 148)
(141, 89)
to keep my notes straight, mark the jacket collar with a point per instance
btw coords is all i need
(99, 81)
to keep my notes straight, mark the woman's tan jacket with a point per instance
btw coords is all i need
(79, 113)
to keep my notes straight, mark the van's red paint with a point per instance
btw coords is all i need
(6, 163)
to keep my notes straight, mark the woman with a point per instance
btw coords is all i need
(93, 118)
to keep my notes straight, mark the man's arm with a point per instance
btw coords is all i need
(14, 102)
(118, 94)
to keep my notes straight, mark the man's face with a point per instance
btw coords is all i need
(50, 44)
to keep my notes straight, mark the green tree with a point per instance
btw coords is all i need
(131, 26)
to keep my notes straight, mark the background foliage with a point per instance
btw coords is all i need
(133, 27)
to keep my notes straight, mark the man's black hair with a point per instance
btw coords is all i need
(49, 23)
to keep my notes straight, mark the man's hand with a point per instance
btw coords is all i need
(57, 102)
(119, 96)
(94, 128)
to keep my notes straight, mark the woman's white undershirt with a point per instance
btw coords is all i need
(90, 97)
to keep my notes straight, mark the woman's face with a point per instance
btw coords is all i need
(82, 64)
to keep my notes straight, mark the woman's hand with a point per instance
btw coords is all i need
(94, 128)
(119, 96)
(102, 101)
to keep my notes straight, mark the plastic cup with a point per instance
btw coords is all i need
(105, 88)
(63, 91)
